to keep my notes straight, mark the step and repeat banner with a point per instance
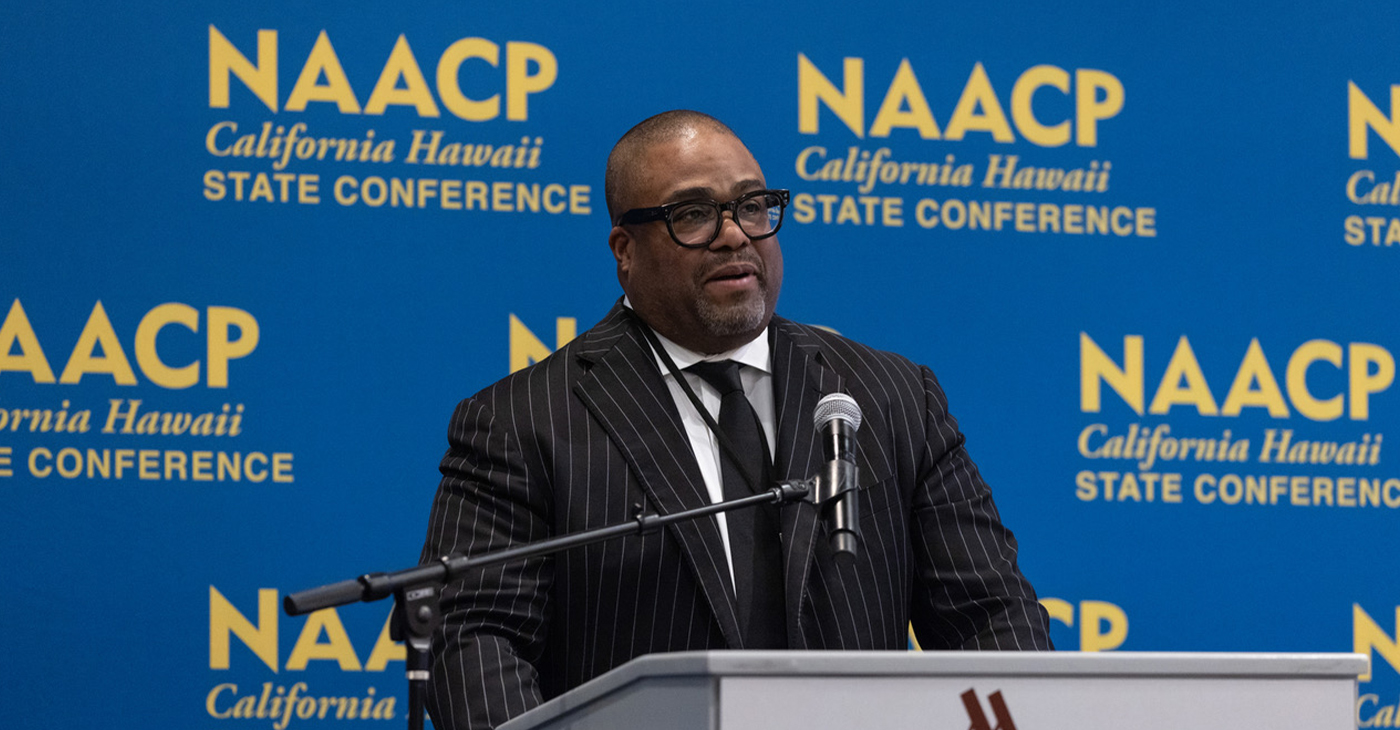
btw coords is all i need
(252, 254)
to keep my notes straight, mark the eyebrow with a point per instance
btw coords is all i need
(703, 193)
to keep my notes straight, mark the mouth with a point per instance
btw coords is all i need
(740, 273)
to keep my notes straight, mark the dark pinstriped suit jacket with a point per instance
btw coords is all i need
(576, 440)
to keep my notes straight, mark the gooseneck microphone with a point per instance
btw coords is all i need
(837, 418)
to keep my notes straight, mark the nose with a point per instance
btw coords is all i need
(730, 234)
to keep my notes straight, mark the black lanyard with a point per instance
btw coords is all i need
(724, 443)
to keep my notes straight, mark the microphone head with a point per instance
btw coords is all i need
(834, 406)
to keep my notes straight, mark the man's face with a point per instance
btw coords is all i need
(708, 299)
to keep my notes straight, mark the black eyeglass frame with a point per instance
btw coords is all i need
(663, 212)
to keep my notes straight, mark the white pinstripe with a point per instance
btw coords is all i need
(594, 429)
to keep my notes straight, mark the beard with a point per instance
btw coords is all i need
(735, 318)
(726, 319)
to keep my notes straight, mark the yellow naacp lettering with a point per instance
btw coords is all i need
(149, 359)
(1023, 92)
(221, 349)
(224, 60)
(1296, 379)
(1367, 635)
(978, 94)
(1095, 367)
(337, 645)
(1171, 391)
(84, 359)
(1098, 96)
(1363, 380)
(1091, 105)
(1103, 626)
(1370, 369)
(527, 349)
(1059, 610)
(323, 62)
(1363, 115)
(231, 334)
(415, 93)
(224, 619)
(848, 103)
(530, 68)
(520, 83)
(385, 649)
(261, 638)
(1254, 385)
(904, 92)
(17, 331)
(450, 89)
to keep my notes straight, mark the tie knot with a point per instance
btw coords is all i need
(723, 375)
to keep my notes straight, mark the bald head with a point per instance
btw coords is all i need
(624, 163)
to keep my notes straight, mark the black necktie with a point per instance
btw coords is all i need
(753, 533)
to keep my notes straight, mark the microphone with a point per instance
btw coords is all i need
(837, 418)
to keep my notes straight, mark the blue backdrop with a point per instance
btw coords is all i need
(251, 255)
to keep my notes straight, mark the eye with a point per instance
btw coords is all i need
(753, 207)
(690, 215)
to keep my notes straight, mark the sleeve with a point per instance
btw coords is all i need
(969, 592)
(494, 619)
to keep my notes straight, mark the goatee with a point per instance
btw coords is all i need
(735, 318)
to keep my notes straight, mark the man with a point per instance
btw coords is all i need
(576, 441)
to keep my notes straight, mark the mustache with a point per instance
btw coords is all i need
(746, 256)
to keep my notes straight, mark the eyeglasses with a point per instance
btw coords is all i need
(696, 223)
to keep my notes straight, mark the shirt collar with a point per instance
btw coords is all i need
(755, 353)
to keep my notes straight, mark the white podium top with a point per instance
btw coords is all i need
(1043, 690)
(997, 663)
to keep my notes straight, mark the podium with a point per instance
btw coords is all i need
(798, 690)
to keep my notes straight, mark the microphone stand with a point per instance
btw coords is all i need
(415, 590)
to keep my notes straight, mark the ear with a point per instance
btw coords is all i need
(621, 243)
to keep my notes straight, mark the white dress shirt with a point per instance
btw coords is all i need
(756, 374)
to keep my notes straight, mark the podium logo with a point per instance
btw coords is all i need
(979, 718)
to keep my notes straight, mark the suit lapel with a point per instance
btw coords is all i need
(801, 378)
(625, 392)
(799, 381)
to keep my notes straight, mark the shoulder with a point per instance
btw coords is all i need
(564, 366)
(884, 383)
(843, 354)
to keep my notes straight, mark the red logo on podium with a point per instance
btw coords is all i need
(979, 718)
